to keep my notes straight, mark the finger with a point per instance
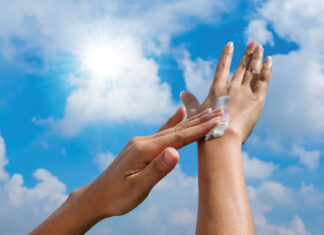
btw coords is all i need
(179, 138)
(243, 65)
(224, 65)
(171, 129)
(190, 102)
(159, 167)
(207, 115)
(175, 119)
(252, 73)
(261, 86)
(203, 118)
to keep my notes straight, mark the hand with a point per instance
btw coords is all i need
(247, 89)
(143, 163)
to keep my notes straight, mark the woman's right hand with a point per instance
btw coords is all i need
(141, 164)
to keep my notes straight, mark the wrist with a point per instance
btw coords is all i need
(231, 136)
(234, 134)
(83, 204)
(75, 216)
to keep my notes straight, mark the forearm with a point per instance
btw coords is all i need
(76, 216)
(223, 202)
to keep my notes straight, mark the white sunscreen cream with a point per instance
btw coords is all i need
(219, 130)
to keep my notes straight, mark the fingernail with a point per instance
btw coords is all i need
(251, 45)
(170, 156)
(215, 120)
(229, 45)
(206, 111)
(268, 61)
(181, 93)
(215, 113)
(258, 49)
(179, 109)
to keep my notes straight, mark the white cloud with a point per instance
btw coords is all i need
(182, 217)
(270, 143)
(271, 195)
(133, 93)
(295, 227)
(132, 90)
(3, 160)
(103, 160)
(257, 30)
(27, 205)
(198, 74)
(255, 168)
(308, 158)
(275, 192)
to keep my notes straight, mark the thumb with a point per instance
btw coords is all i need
(190, 101)
(160, 166)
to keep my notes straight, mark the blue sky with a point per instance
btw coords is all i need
(65, 115)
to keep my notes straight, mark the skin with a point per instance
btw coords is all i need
(129, 179)
(223, 206)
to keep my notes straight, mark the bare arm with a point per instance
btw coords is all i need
(128, 180)
(223, 202)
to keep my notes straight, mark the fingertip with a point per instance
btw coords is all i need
(181, 94)
(214, 121)
(219, 111)
(171, 156)
(268, 61)
(229, 45)
(181, 112)
(182, 109)
(258, 48)
(252, 44)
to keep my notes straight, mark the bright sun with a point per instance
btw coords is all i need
(102, 59)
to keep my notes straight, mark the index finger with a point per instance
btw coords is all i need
(182, 137)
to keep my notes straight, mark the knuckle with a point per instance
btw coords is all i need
(180, 138)
(203, 119)
(137, 144)
(254, 97)
(242, 66)
(221, 66)
(264, 77)
(253, 71)
(179, 128)
(261, 99)
(134, 140)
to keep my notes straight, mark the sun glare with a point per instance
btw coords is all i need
(102, 59)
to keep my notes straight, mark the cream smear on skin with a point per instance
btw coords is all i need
(219, 130)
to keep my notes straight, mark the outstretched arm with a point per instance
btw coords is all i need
(223, 202)
(128, 180)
